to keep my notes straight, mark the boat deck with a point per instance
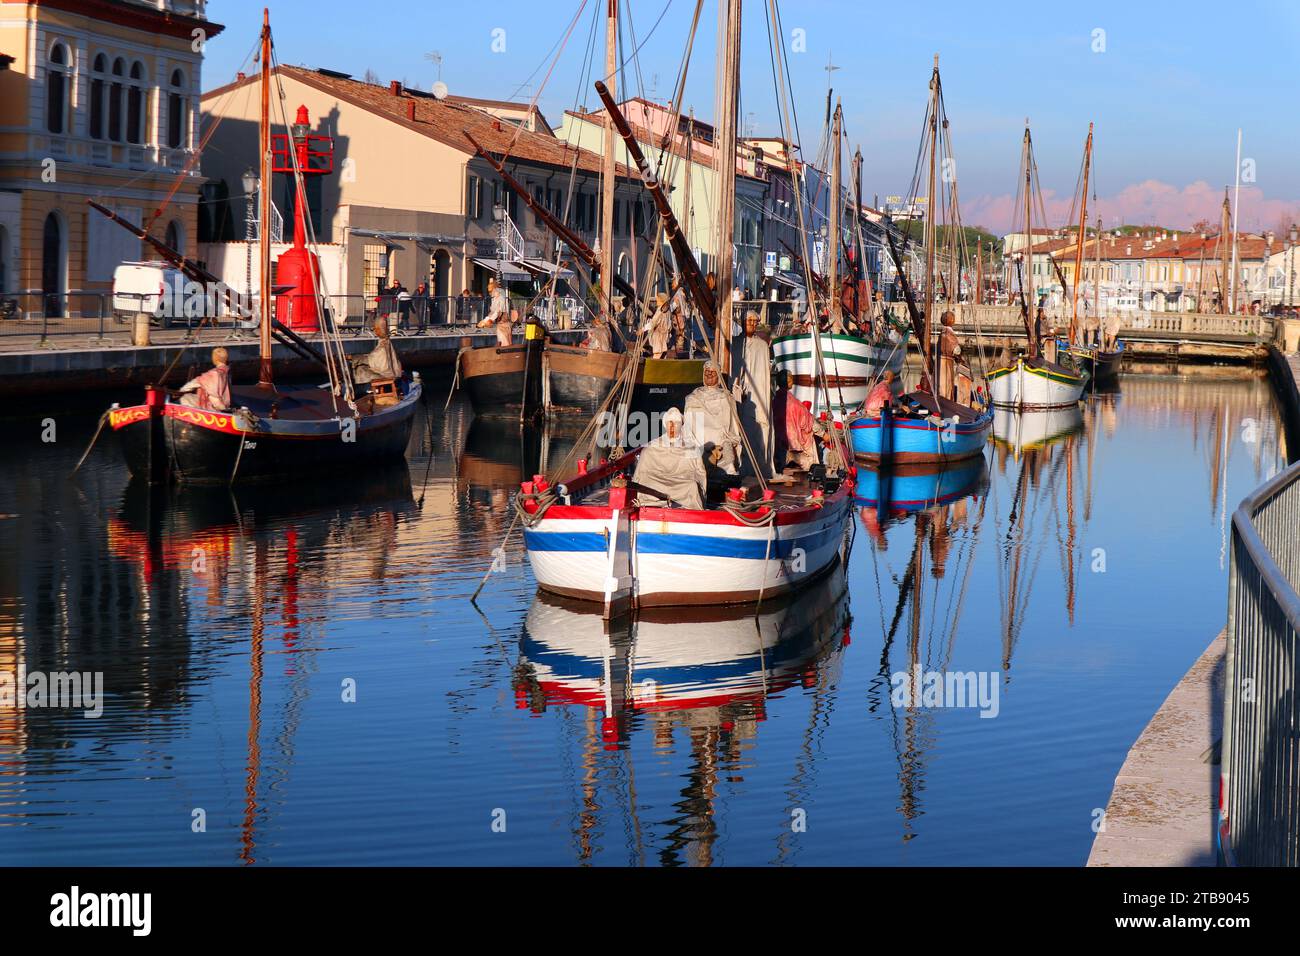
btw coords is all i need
(789, 496)
(309, 403)
(927, 405)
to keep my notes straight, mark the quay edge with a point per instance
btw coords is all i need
(1163, 808)
(33, 371)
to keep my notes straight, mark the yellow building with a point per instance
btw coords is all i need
(99, 102)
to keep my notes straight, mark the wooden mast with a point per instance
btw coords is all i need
(833, 237)
(1027, 276)
(979, 270)
(927, 288)
(1096, 287)
(608, 167)
(724, 157)
(264, 379)
(687, 267)
(1225, 239)
(1083, 226)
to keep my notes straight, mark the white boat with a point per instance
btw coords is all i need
(1035, 384)
(853, 365)
(587, 539)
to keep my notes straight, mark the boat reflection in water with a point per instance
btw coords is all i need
(707, 672)
(276, 552)
(1045, 446)
(499, 453)
(946, 507)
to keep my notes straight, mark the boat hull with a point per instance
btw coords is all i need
(194, 446)
(853, 365)
(1026, 386)
(1103, 367)
(578, 379)
(680, 557)
(500, 379)
(887, 438)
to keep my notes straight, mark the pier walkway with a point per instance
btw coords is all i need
(1165, 807)
(37, 365)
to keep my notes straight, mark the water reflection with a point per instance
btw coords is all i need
(226, 629)
(705, 673)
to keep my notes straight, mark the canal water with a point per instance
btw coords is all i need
(297, 676)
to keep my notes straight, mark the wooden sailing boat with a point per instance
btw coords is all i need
(552, 378)
(1101, 364)
(587, 536)
(854, 359)
(929, 426)
(269, 431)
(1031, 381)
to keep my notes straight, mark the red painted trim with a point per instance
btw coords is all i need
(201, 418)
(684, 516)
(119, 418)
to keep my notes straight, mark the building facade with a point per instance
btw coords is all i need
(409, 199)
(99, 102)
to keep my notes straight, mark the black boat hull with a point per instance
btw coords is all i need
(193, 446)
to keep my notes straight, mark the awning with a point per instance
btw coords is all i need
(788, 279)
(423, 239)
(508, 271)
(546, 268)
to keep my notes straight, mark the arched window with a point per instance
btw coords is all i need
(135, 108)
(175, 236)
(177, 112)
(98, 91)
(53, 265)
(115, 93)
(58, 86)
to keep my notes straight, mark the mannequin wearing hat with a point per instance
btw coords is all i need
(659, 327)
(710, 422)
(498, 313)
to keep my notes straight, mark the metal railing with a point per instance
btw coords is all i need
(1259, 790)
(78, 317)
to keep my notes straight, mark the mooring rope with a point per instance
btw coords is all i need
(86, 454)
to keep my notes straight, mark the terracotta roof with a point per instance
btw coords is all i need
(443, 120)
(650, 141)
(500, 105)
(1185, 246)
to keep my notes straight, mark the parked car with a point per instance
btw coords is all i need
(158, 289)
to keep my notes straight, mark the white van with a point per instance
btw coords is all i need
(153, 287)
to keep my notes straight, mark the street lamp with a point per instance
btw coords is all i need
(249, 182)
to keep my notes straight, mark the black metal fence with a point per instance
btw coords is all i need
(69, 319)
(1259, 801)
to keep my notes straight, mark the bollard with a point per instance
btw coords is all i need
(140, 334)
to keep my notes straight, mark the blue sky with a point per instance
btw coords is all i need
(1168, 92)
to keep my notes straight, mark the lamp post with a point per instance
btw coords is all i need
(1290, 278)
(249, 182)
(1268, 255)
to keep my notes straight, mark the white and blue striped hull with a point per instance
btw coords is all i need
(699, 558)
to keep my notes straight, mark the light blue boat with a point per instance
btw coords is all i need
(921, 438)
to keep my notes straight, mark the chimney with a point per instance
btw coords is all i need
(395, 88)
(410, 110)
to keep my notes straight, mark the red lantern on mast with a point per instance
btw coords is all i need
(298, 268)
